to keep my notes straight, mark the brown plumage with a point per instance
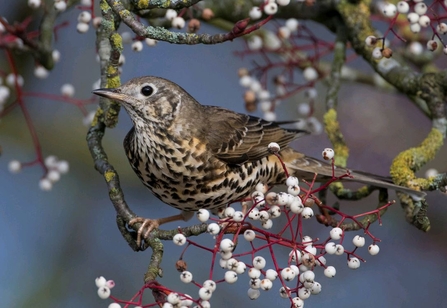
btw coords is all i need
(193, 156)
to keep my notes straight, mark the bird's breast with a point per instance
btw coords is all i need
(185, 174)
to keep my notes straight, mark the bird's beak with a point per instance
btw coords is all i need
(114, 94)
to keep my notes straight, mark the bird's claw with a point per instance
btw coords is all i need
(147, 225)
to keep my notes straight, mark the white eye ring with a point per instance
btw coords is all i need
(148, 90)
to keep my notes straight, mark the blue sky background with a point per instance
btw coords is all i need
(54, 244)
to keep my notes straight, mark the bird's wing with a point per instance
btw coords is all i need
(236, 138)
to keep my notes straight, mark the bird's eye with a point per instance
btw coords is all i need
(147, 90)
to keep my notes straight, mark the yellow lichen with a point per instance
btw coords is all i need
(99, 112)
(104, 6)
(109, 175)
(116, 40)
(332, 127)
(142, 4)
(409, 161)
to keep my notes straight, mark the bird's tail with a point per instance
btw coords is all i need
(305, 167)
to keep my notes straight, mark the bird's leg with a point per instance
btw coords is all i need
(147, 225)
(244, 207)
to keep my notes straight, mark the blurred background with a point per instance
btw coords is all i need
(54, 244)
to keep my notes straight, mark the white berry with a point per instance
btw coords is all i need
(45, 184)
(103, 292)
(210, 285)
(259, 262)
(297, 206)
(441, 28)
(373, 249)
(178, 22)
(100, 281)
(292, 24)
(415, 28)
(268, 224)
(213, 228)
(229, 212)
(283, 2)
(275, 211)
(186, 277)
(266, 284)
(253, 293)
(330, 248)
(353, 263)
(339, 249)
(173, 298)
(316, 288)
(358, 241)
(270, 8)
(389, 10)
(297, 302)
(227, 245)
(292, 180)
(249, 235)
(68, 90)
(82, 27)
(284, 32)
(62, 166)
(377, 53)
(413, 17)
(255, 283)
(254, 43)
(60, 5)
(137, 46)
(150, 42)
(307, 213)
(41, 72)
(14, 166)
(11, 80)
(241, 267)
(336, 233)
(271, 274)
(179, 239)
(254, 214)
(284, 292)
(304, 293)
(230, 276)
(34, 4)
(424, 21)
(170, 14)
(330, 271)
(420, 8)
(205, 294)
(254, 273)
(288, 274)
(203, 215)
(295, 256)
(245, 81)
(328, 154)
(255, 13)
(53, 175)
(84, 17)
(371, 41)
(403, 7)
(307, 240)
(310, 73)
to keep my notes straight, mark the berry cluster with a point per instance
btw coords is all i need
(258, 261)
(257, 95)
(419, 16)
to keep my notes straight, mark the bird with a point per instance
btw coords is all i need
(193, 156)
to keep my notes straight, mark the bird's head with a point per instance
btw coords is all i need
(150, 99)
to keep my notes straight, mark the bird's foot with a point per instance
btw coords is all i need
(147, 225)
